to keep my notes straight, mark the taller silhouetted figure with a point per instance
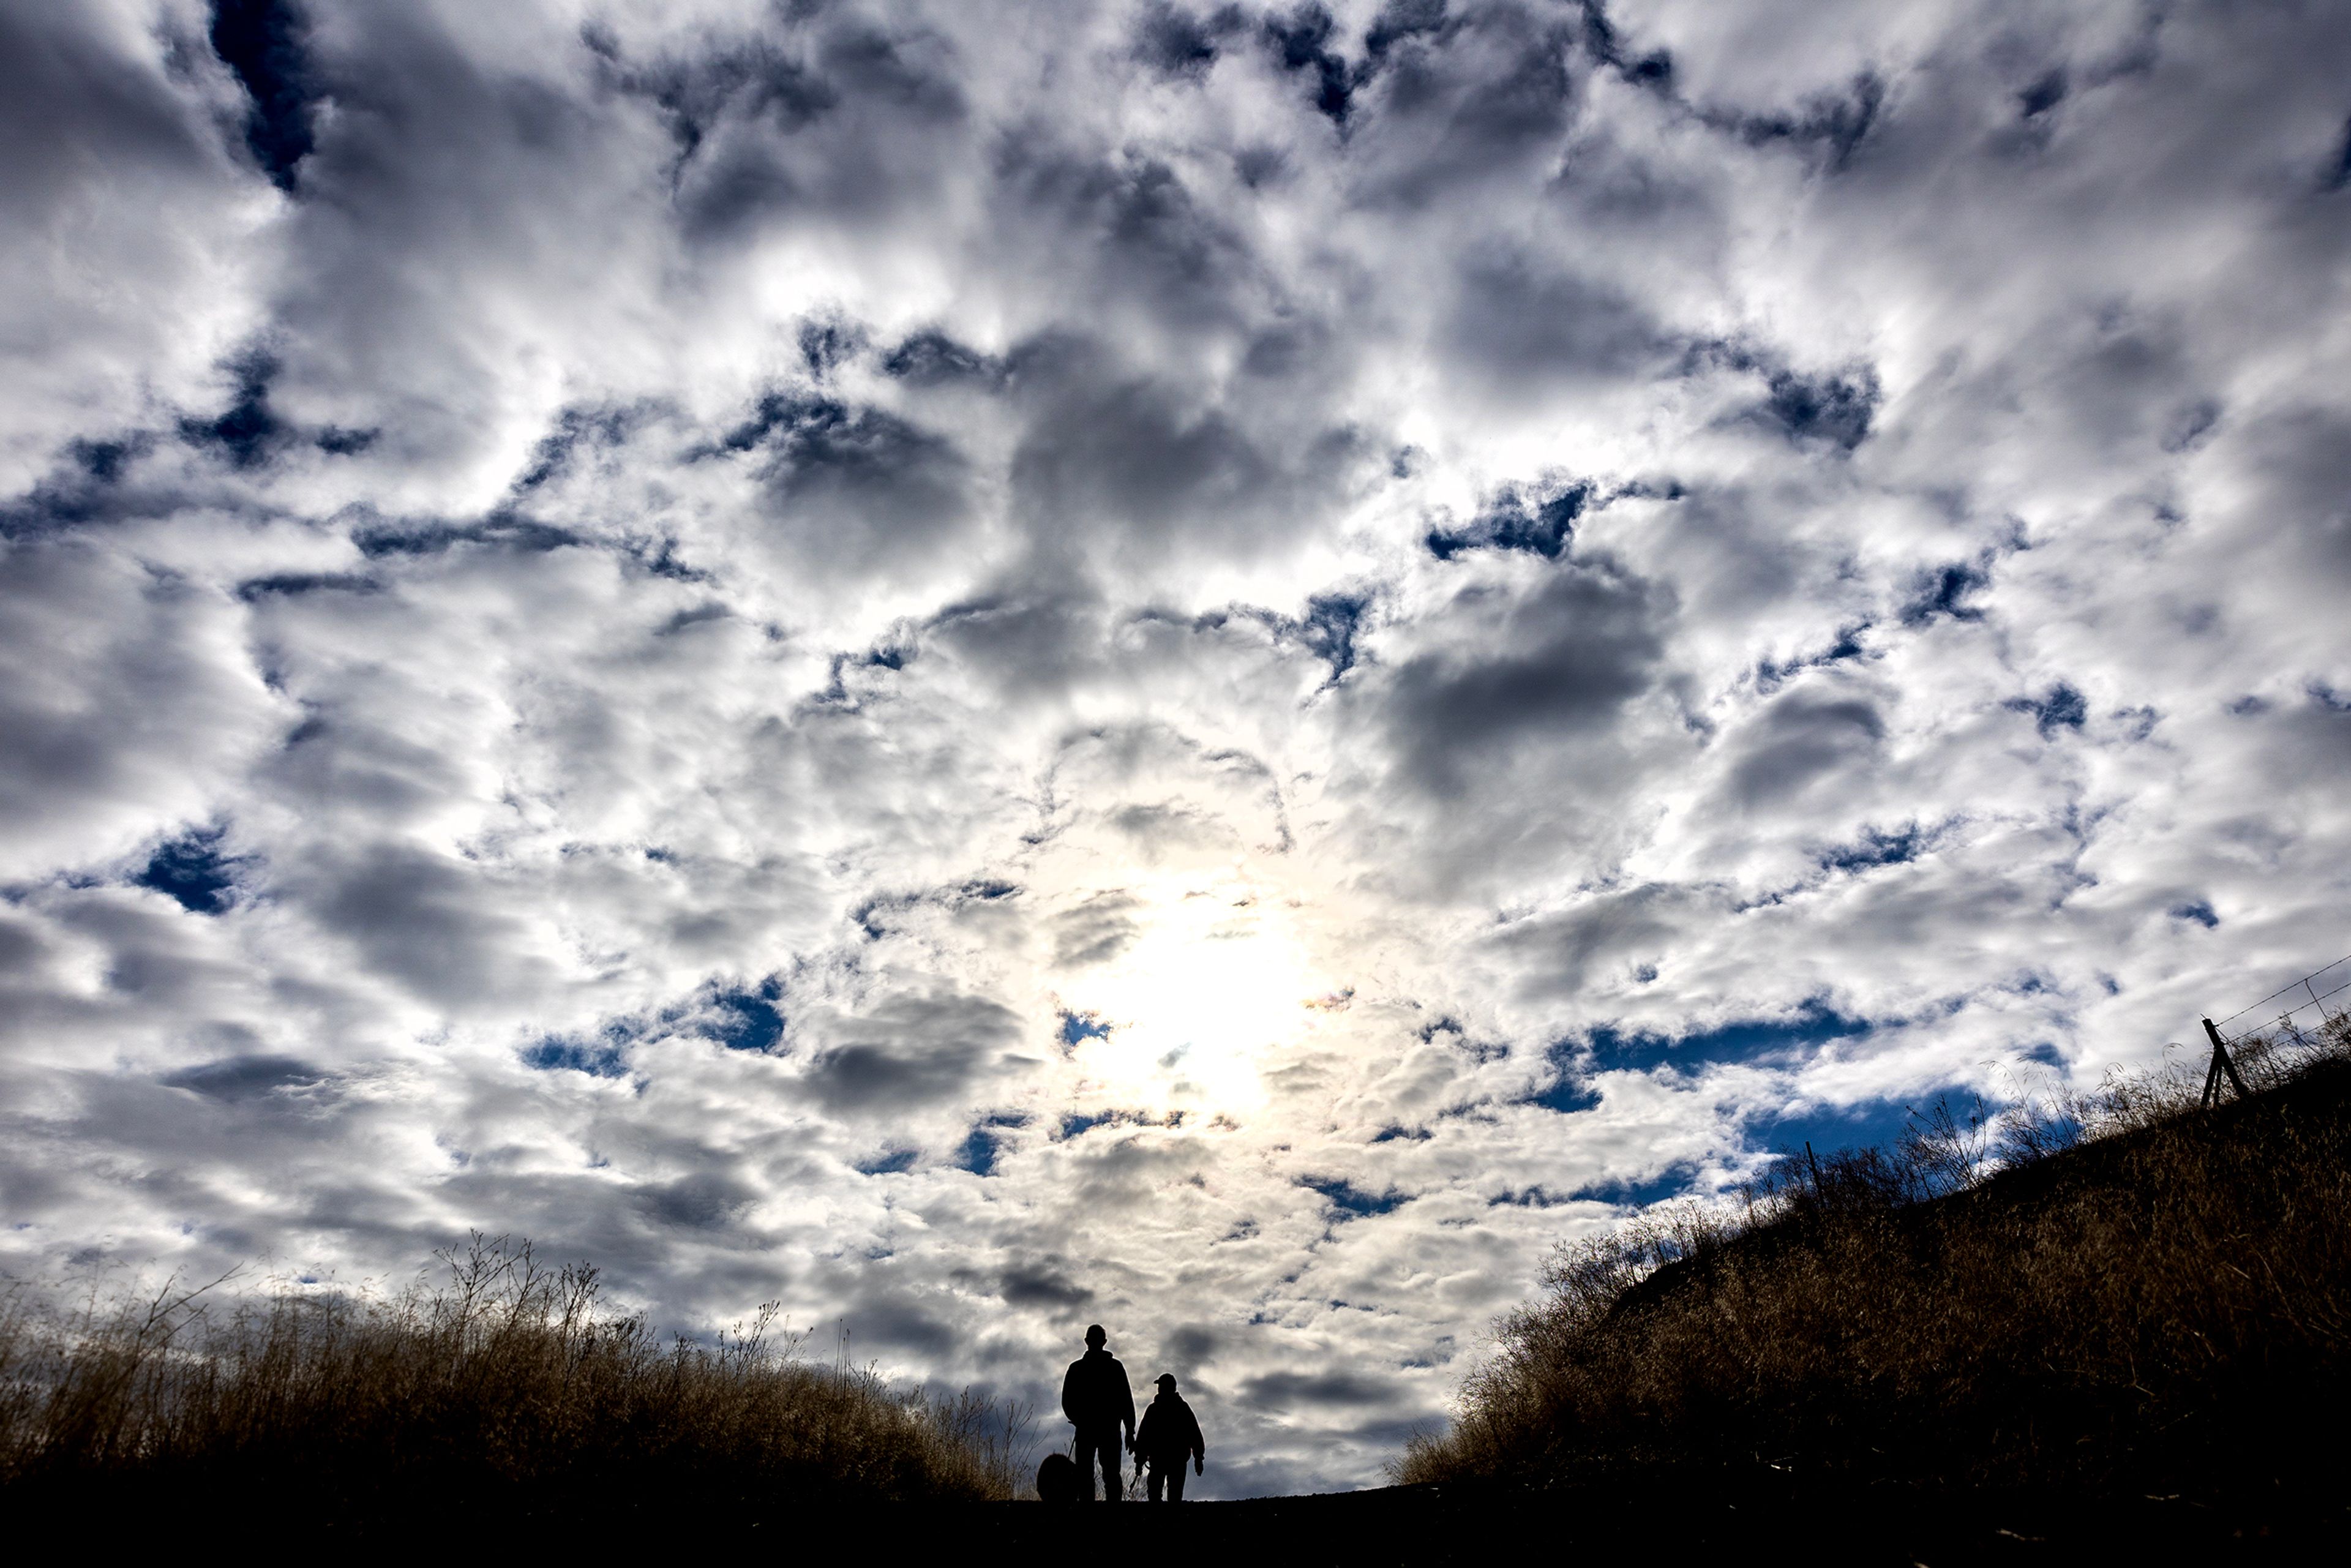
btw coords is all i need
(1096, 1399)
(1170, 1436)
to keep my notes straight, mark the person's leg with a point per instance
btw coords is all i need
(1151, 1485)
(1113, 1487)
(1175, 1481)
(1086, 1444)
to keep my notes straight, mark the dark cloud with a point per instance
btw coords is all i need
(69, 97)
(1190, 1346)
(815, 117)
(1806, 735)
(852, 487)
(699, 1202)
(912, 1052)
(1175, 41)
(1521, 325)
(1576, 947)
(1463, 98)
(237, 1079)
(1042, 1285)
(1554, 664)
(1283, 1391)
(1831, 127)
(931, 358)
(430, 922)
(885, 1322)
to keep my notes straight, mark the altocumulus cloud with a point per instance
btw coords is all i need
(1215, 667)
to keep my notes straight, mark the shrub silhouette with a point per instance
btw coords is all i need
(508, 1389)
(2113, 1294)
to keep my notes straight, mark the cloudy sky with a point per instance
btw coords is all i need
(1213, 667)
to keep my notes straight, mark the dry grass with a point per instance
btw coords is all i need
(508, 1390)
(2105, 1295)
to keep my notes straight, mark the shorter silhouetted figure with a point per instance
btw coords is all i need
(1170, 1436)
(1098, 1402)
(1057, 1479)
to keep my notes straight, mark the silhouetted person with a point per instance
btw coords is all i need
(1096, 1399)
(1170, 1436)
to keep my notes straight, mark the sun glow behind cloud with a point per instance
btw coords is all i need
(1216, 983)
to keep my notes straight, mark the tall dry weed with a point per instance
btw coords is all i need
(508, 1386)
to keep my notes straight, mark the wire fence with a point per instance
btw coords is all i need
(2309, 1002)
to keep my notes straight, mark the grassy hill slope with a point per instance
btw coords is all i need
(2161, 1310)
(507, 1392)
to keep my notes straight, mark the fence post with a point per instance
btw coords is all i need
(2220, 1063)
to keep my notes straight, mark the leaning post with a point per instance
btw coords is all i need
(2220, 1064)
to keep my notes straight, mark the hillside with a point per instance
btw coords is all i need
(2161, 1309)
(507, 1393)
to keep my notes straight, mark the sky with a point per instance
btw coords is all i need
(1214, 668)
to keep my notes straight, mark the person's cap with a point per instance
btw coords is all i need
(1167, 1380)
(1094, 1334)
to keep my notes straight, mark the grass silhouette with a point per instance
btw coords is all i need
(511, 1389)
(2118, 1295)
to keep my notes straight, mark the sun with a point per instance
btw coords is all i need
(1215, 983)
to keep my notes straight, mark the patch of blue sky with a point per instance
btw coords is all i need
(747, 1021)
(1673, 1182)
(977, 1155)
(1752, 1039)
(1076, 1026)
(1567, 1096)
(192, 870)
(1352, 1201)
(598, 1058)
(1870, 1124)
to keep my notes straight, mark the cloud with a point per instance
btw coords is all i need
(1521, 670)
(126, 708)
(1217, 667)
(244, 1077)
(909, 1054)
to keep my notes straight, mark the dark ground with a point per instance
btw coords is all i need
(1722, 1522)
(1466, 1522)
(1721, 1519)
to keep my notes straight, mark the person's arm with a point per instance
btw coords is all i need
(1199, 1447)
(1068, 1393)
